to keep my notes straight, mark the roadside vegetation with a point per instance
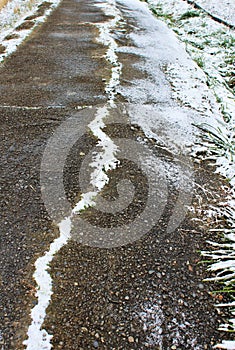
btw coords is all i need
(212, 45)
(18, 18)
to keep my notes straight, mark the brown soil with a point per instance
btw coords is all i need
(2, 49)
(25, 25)
(12, 36)
(3, 3)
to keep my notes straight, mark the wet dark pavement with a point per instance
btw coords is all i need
(148, 294)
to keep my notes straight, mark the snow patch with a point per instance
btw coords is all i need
(172, 79)
(155, 325)
(226, 344)
(211, 45)
(221, 9)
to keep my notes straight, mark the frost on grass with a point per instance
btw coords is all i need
(211, 46)
(210, 91)
(218, 9)
(223, 265)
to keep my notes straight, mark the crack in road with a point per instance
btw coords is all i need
(144, 294)
(39, 338)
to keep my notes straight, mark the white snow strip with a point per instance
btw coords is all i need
(31, 108)
(229, 345)
(227, 304)
(38, 338)
(104, 160)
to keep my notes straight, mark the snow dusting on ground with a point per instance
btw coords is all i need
(222, 9)
(204, 88)
(152, 318)
(154, 323)
(211, 45)
(18, 18)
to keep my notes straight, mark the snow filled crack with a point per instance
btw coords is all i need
(38, 338)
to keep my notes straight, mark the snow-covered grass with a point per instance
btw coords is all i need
(224, 10)
(14, 14)
(212, 46)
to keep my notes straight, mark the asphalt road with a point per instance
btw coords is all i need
(146, 294)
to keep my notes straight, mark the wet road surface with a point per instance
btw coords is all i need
(146, 294)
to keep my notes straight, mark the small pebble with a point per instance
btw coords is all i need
(84, 329)
(131, 339)
(96, 344)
